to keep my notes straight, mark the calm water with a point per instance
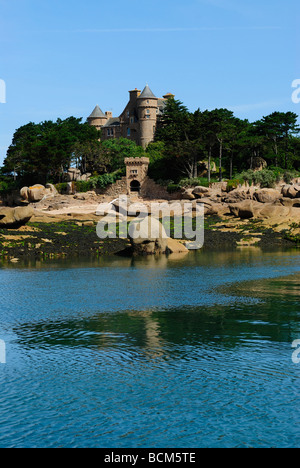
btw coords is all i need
(190, 351)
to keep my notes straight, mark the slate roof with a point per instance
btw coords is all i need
(147, 93)
(97, 112)
(113, 121)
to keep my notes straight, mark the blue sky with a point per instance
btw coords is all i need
(61, 58)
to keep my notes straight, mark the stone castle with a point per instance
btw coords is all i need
(137, 121)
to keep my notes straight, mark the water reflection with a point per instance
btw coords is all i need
(161, 331)
(152, 352)
(202, 257)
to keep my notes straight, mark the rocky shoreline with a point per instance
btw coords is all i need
(64, 226)
(75, 239)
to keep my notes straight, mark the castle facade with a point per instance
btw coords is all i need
(137, 121)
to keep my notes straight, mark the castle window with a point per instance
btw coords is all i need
(131, 120)
(128, 132)
(128, 113)
(148, 111)
(147, 116)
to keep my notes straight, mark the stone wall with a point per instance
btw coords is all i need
(149, 189)
(119, 188)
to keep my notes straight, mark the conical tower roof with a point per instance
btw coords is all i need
(97, 112)
(147, 94)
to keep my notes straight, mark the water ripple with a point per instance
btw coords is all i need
(96, 358)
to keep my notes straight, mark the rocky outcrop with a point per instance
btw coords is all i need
(237, 195)
(73, 174)
(271, 211)
(291, 191)
(51, 188)
(243, 210)
(148, 237)
(14, 217)
(24, 193)
(266, 195)
(199, 191)
(187, 194)
(36, 193)
(257, 163)
(174, 246)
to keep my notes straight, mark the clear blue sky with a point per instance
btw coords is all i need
(61, 57)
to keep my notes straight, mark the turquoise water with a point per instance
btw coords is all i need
(189, 351)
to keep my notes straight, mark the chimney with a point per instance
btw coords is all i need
(134, 94)
(168, 96)
(108, 114)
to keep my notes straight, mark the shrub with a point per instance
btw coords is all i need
(62, 187)
(233, 184)
(164, 183)
(278, 172)
(195, 181)
(83, 186)
(288, 176)
(171, 188)
(102, 181)
(247, 176)
(7, 187)
(265, 178)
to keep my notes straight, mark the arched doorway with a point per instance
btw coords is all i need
(135, 186)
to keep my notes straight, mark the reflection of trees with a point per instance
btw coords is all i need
(160, 332)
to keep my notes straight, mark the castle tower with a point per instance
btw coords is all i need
(97, 118)
(147, 105)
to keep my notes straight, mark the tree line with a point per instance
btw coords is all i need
(234, 144)
(43, 152)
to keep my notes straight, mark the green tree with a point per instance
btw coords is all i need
(209, 137)
(222, 128)
(42, 151)
(119, 149)
(91, 156)
(289, 128)
(277, 128)
(174, 124)
(236, 133)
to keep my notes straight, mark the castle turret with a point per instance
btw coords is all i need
(97, 118)
(147, 112)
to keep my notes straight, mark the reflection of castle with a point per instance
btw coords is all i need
(138, 120)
